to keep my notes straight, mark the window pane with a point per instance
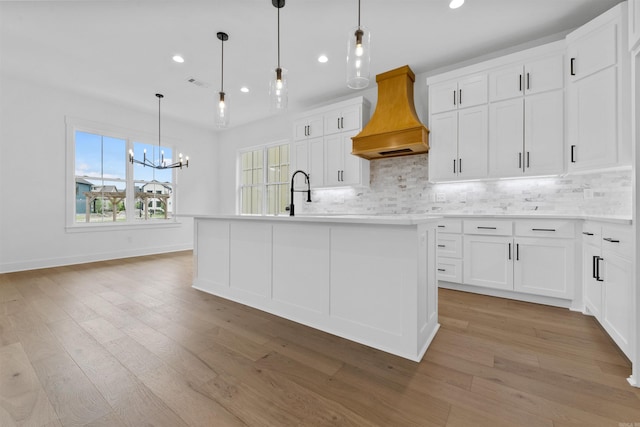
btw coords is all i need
(273, 157)
(88, 154)
(284, 154)
(284, 173)
(100, 201)
(114, 159)
(284, 197)
(153, 200)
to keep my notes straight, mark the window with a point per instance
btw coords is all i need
(264, 180)
(108, 188)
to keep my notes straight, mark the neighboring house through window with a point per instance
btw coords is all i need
(108, 188)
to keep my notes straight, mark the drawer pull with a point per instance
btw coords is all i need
(487, 228)
(441, 226)
(598, 278)
(543, 229)
(441, 269)
(441, 246)
(509, 251)
(586, 233)
(610, 240)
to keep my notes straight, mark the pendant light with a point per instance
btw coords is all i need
(278, 90)
(161, 162)
(222, 111)
(358, 56)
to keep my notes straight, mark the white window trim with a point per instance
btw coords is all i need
(264, 148)
(74, 124)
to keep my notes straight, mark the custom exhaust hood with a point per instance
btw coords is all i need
(394, 129)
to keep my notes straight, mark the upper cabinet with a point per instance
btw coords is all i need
(526, 127)
(535, 76)
(452, 95)
(598, 100)
(322, 145)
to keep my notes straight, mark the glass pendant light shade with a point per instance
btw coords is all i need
(358, 58)
(222, 111)
(279, 90)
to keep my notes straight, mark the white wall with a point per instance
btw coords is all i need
(33, 183)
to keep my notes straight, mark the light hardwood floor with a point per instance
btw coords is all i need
(129, 342)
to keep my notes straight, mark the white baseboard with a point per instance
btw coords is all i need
(36, 264)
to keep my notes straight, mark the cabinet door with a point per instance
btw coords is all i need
(592, 286)
(617, 306)
(443, 150)
(592, 121)
(544, 266)
(300, 161)
(592, 51)
(443, 97)
(316, 162)
(332, 122)
(488, 261)
(472, 91)
(449, 269)
(506, 130)
(315, 127)
(351, 118)
(300, 130)
(333, 159)
(472, 142)
(544, 133)
(543, 74)
(506, 83)
(351, 165)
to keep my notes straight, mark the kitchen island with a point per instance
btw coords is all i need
(369, 279)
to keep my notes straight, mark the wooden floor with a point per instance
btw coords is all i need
(129, 342)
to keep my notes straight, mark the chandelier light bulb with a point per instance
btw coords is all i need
(456, 4)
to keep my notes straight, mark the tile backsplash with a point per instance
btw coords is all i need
(400, 185)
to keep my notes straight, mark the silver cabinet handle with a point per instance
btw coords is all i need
(610, 240)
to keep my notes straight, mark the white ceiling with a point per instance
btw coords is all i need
(121, 50)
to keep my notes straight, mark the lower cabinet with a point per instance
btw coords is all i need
(608, 279)
(544, 266)
(488, 261)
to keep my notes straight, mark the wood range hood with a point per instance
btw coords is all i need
(394, 129)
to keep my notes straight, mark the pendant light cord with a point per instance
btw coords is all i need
(222, 69)
(159, 98)
(358, 13)
(278, 37)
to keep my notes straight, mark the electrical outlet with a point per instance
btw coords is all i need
(588, 193)
(463, 197)
(441, 197)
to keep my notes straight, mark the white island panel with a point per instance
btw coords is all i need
(370, 280)
(301, 267)
(250, 247)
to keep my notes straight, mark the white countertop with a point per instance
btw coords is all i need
(351, 219)
(410, 219)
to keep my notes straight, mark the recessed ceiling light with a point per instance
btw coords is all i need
(456, 4)
(178, 58)
(244, 89)
(323, 58)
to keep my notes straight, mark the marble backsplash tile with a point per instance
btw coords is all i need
(400, 186)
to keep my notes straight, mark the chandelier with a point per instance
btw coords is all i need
(162, 164)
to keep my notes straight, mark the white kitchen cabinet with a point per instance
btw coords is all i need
(459, 144)
(449, 251)
(309, 127)
(598, 92)
(327, 157)
(544, 266)
(488, 261)
(341, 167)
(345, 119)
(465, 92)
(608, 279)
(536, 76)
(526, 135)
(538, 260)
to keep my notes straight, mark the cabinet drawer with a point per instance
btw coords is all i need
(546, 228)
(450, 226)
(449, 269)
(449, 245)
(618, 240)
(488, 227)
(591, 234)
